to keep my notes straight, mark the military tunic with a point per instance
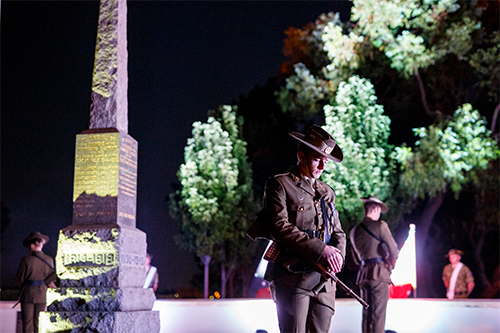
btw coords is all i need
(295, 221)
(464, 277)
(373, 277)
(34, 275)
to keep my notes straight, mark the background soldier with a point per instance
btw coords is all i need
(35, 273)
(376, 251)
(457, 277)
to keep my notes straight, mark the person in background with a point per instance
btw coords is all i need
(457, 277)
(35, 273)
(152, 277)
(302, 220)
(369, 238)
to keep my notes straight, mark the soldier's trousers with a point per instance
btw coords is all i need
(376, 294)
(29, 315)
(300, 311)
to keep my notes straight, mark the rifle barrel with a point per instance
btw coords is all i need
(326, 275)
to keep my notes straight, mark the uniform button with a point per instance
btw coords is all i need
(301, 209)
(319, 215)
(297, 178)
(320, 185)
(316, 204)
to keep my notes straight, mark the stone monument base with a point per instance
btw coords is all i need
(102, 322)
(100, 299)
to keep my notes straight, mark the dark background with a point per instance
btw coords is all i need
(185, 58)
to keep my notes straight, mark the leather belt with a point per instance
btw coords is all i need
(318, 234)
(34, 282)
(371, 261)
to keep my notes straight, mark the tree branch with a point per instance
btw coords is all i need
(424, 96)
(495, 118)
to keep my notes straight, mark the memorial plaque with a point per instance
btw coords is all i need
(105, 186)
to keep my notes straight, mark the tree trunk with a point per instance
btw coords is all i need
(206, 261)
(422, 233)
(481, 277)
(223, 280)
(230, 277)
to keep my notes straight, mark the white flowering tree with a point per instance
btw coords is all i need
(361, 129)
(216, 196)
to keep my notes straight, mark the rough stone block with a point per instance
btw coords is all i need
(102, 322)
(110, 80)
(101, 256)
(100, 299)
(105, 183)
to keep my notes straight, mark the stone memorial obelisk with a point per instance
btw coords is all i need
(100, 258)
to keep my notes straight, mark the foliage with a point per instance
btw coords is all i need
(415, 34)
(361, 130)
(309, 92)
(306, 90)
(216, 186)
(486, 62)
(407, 36)
(448, 153)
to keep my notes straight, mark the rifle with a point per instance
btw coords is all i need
(325, 275)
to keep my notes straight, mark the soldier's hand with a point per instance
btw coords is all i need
(331, 255)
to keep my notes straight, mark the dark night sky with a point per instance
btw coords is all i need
(184, 58)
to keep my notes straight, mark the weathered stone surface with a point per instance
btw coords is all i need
(110, 80)
(105, 184)
(101, 256)
(100, 299)
(102, 322)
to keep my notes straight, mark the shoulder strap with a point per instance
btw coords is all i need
(46, 263)
(325, 220)
(368, 231)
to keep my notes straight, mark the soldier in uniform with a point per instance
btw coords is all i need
(375, 251)
(35, 273)
(302, 221)
(457, 277)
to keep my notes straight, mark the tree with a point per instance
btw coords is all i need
(216, 193)
(362, 130)
(449, 155)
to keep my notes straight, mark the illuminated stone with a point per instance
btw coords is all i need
(110, 80)
(100, 299)
(102, 322)
(101, 256)
(105, 183)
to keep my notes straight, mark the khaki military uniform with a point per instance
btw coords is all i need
(464, 277)
(34, 275)
(373, 276)
(295, 221)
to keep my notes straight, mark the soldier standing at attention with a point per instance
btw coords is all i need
(304, 225)
(375, 251)
(457, 277)
(35, 273)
